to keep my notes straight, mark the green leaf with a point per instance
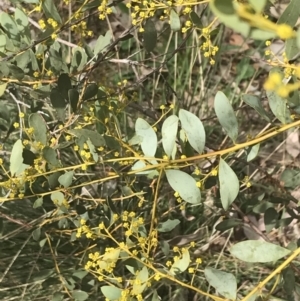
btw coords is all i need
(224, 283)
(21, 19)
(229, 184)
(290, 178)
(102, 42)
(50, 10)
(252, 152)
(185, 185)
(10, 26)
(258, 5)
(64, 84)
(92, 150)
(79, 59)
(37, 122)
(79, 295)
(168, 225)
(226, 115)
(270, 219)
(228, 224)
(95, 137)
(16, 72)
(58, 197)
(90, 91)
(278, 107)
(66, 179)
(16, 158)
(38, 203)
(111, 292)
(2, 88)
(196, 19)
(2, 44)
(57, 99)
(150, 35)
(258, 251)
(50, 155)
(174, 21)
(225, 11)
(149, 142)
(290, 14)
(169, 132)
(142, 277)
(181, 264)
(255, 102)
(73, 99)
(291, 48)
(36, 234)
(194, 130)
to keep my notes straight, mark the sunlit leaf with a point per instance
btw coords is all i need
(181, 264)
(229, 184)
(66, 179)
(174, 21)
(111, 292)
(102, 42)
(224, 283)
(141, 281)
(226, 115)
(169, 132)
(37, 122)
(258, 251)
(149, 142)
(185, 185)
(253, 152)
(194, 130)
(16, 158)
(36, 234)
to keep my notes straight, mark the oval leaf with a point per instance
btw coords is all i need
(174, 21)
(224, 283)
(111, 292)
(226, 115)
(181, 264)
(229, 184)
(168, 225)
(149, 142)
(185, 185)
(16, 157)
(258, 251)
(150, 35)
(37, 122)
(194, 130)
(169, 132)
(66, 179)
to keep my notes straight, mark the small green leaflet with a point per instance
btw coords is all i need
(181, 264)
(224, 283)
(149, 142)
(229, 184)
(226, 115)
(16, 158)
(111, 292)
(258, 251)
(168, 225)
(258, 5)
(102, 42)
(174, 21)
(66, 179)
(169, 132)
(185, 185)
(37, 122)
(194, 130)
(140, 285)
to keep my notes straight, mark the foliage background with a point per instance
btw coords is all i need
(96, 202)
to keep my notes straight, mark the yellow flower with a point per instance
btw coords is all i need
(16, 125)
(285, 31)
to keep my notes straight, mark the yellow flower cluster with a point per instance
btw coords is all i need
(275, 83)
(104, 10)
(81, 29)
